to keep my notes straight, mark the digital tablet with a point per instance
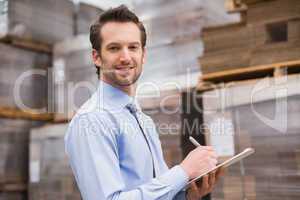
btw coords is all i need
(247, 152)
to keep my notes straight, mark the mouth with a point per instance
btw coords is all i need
(124, 70)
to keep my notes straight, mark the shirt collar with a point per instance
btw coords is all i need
(110, 97)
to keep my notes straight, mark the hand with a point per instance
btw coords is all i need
(204, 187)
(199, 161)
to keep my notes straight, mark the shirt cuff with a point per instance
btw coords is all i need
(176, 178)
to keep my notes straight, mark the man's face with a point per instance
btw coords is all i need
(122, 56)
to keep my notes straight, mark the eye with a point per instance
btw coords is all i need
(134, 47)
(113, 48)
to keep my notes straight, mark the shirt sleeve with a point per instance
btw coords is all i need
(180, 195)
(91, 145)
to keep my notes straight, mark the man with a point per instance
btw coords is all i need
(114, 149)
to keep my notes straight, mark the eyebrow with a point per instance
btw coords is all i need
(116, 43)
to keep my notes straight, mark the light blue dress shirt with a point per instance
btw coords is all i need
(110, 157)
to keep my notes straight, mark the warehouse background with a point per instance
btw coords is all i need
(225, 71)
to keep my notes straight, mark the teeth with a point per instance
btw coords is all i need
(125, 68)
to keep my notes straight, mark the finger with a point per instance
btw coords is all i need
(213, 154)
(207, 148)
(194, 191)
(199, 182)
(205, 184)
(220, 172)
(212, 179)
(194, 187)
(209, 151)
(197, 190)
(213, 162)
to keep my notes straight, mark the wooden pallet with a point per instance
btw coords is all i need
(233, 6)
(13, 187)
(211, 80)
(14, 113)
(56, 180)
(27, 44)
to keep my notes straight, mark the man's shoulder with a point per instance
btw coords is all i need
(91, 105)
(91, 108)
(91, 116)
(92, 122)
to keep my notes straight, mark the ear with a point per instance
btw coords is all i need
(144, 55)
(96, 58)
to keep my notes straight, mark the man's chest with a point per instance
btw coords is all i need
(137, 139)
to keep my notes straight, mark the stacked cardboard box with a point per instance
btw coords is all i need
(224, 50)
(165, 111)
(50, 174)
(173, 38)
(26, 82)
(75, 77)
(14, 137)
(23, 78)
(174, 42)
(34, 20)
(12, 196)
(265, 115)
(269, 34)
(86, 14)
(164, 61)
(23, 86)
(167, 122)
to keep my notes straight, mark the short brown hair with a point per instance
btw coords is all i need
(118, 14)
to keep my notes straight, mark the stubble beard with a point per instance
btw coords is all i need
(112, 76)
(126, 82)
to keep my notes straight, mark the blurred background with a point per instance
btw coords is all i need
(226, 72)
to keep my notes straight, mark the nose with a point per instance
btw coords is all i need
(125, 55)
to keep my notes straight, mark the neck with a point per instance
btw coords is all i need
(130, 90)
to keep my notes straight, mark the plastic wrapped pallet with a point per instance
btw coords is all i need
(166, 29)
(174, 38)
(50, 174)
(14, 139)
(172, 60)
(75, 77)
(47, 21)
(23, 78)
(86, 15)
(165, 22)
(263, 114)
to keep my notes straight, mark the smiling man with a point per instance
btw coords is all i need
(114, 149)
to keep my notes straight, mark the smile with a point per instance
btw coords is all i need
(124, 68)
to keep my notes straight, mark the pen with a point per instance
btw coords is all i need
(194, 141)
